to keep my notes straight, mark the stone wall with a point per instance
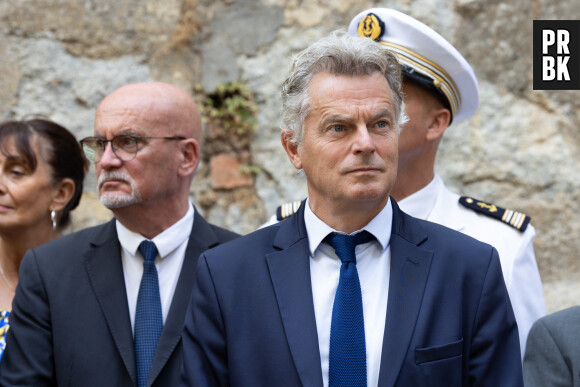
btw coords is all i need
(521, 150)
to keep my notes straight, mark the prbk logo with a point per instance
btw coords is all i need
(556, 54)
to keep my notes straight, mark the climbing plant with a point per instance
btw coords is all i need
(231, 115)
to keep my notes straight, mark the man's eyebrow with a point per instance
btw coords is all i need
(127, 132)
(341, 119)
(334, 118)
(385, 113)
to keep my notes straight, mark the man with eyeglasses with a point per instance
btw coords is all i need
(105, 306)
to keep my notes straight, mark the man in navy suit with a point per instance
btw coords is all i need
(440, 88)
(418, 305)
(78, 308)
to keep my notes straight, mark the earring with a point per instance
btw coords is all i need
(53, 219)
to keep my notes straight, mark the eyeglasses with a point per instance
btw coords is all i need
(125, 146)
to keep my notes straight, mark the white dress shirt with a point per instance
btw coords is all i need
(171, 245)
(373, 266)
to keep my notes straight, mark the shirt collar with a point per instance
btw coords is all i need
(166, 242)
(380, 226)
(421, 203)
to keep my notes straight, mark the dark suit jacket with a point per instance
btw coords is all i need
(553, 350)
(70, 323)
(449, 320)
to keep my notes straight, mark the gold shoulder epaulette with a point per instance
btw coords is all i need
(517, 220)
(287, 209)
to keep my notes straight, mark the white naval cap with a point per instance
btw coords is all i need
(425, 57)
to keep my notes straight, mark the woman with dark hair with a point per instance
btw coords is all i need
(42, 169)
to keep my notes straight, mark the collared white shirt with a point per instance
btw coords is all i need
(421, 203)
(171, 245)
(373, 266)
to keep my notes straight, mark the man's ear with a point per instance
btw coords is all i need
(291, 148)
(439, 121)
(190, 155)
(63, 194)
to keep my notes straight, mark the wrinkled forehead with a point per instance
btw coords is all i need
(137, 116)
(349, 90)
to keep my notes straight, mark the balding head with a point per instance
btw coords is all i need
(166, 105)
(147, 186)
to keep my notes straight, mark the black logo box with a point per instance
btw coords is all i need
(573, 64)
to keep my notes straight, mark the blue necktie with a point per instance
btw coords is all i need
(148, 317)
(347, 365)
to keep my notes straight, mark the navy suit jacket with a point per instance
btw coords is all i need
(70, 323)
(449, 320)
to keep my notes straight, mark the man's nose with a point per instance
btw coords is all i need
(109, 159)
(363, 140)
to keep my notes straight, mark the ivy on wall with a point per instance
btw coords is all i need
(231, 117)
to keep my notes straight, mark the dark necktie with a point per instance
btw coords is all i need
(148, 317)
(347, 358)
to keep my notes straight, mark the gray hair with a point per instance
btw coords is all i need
(337, 54)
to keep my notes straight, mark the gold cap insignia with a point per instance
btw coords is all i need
(371, 27)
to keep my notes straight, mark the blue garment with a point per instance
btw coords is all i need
(4, 326)
(449, 322)
(71, 307)
(347, 363)
(148, 317)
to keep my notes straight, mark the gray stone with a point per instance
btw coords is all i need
(10, 67)
(66, 88)
(218, 64)
(229, 37)
(94, 28)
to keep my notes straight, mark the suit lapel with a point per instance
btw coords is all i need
(410, 265)
(202, 237)
(105, 272)
(290, 273)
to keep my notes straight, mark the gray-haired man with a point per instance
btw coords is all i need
(350, 291)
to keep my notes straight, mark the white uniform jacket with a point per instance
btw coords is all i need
(516, 252)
